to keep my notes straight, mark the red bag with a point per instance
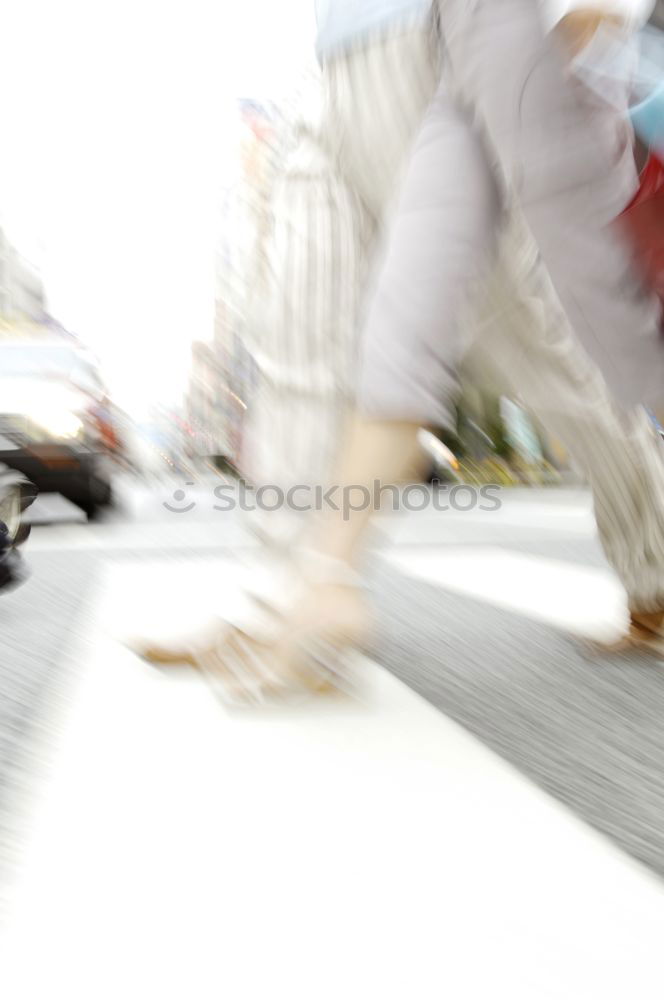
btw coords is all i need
(644, 221)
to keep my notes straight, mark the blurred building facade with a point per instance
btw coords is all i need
(224, 371)
(204, 406)
(22, 298)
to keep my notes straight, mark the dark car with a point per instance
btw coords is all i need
(16, 495)
(52, 420)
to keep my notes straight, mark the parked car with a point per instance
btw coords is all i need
(52, 420)
(16, 495)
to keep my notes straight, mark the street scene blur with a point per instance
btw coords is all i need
(332, 500)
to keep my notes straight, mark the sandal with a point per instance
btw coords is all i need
(297, 645)
(322, 619)
(645, 634)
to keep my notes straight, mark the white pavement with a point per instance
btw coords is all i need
(334, 850)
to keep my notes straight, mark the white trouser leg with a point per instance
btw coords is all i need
(529, 339)
(327, 209)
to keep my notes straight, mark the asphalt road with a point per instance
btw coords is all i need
(46, 623)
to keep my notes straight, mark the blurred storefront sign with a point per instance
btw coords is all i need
(520, 431)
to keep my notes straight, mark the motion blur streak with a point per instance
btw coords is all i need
(255, 746)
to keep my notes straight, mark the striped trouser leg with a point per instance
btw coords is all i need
(315, 261)
(530, 339)
(326, 213)
(316, 258)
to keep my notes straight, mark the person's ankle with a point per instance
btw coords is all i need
(648, 618)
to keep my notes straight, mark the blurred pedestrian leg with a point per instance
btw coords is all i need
(529, 339)
(507, 122)
(327, 216)
(329, 221)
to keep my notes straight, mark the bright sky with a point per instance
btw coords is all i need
(117, 131)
